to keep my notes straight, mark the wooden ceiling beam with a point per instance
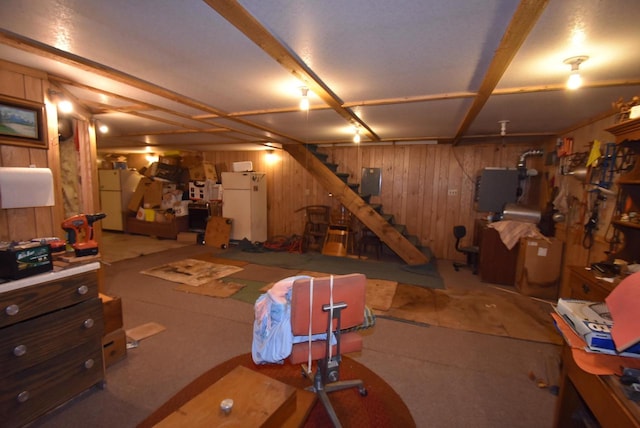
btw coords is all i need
(240, 18)
(37, 48)
(519, 28)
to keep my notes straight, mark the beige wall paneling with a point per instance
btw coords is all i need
(24, 223)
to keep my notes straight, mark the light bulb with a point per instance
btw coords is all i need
(65, 106)
(356, 137)
(103, 129)
(575, 81)
(304, 101)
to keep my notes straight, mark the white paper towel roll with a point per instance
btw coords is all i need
(25, 187)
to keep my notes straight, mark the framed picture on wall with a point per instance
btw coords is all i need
(22, 123)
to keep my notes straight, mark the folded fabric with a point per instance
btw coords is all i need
(272, 336)
(511, 231)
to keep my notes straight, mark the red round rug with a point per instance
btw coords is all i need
(382, 407)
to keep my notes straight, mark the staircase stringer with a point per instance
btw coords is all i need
(357, 206)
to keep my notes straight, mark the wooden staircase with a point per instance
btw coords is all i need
(335, 183)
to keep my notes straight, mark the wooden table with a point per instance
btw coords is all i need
(585, 397)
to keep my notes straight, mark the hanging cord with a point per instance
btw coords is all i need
(310, 324)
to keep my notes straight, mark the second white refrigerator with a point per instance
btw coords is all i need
(244, 201)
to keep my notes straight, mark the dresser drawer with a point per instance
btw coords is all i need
(26, 395)
(30, 342)
(28, 302)
(583, 285)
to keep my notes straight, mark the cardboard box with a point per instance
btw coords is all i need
(538, 267)
(112, 313)
(114, 347)
(181, 208)
(242, 166)
(148, 191)
(203, 171)
(206, 190)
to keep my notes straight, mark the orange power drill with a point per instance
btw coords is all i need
(80, 233)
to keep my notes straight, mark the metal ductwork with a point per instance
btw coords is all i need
(523, 157)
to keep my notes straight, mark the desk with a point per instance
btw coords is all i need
(601, 395)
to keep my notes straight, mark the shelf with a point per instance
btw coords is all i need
(627, 130)
(628, 224)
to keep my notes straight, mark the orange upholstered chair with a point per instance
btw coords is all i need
(312, 300)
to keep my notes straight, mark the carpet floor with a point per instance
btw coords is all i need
(447, 377)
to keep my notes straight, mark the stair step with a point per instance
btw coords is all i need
(354, 186)
(376, 207)
(332, 166)
(413, 239)
(388, 218)
(365, 198)
(312, 147)
(401, 228)
(344, 176)
(322, 156)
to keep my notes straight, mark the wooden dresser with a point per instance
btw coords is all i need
(586, 399)
(584, 285)
(51, 329)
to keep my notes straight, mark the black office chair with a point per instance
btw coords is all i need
(472, 252)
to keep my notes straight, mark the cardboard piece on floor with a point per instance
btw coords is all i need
(192, 272)
(145, 330)
(218, 232)
(380, 293)
(214, 288)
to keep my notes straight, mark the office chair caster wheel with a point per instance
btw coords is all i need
(363, 391)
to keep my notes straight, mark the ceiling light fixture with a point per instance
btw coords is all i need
(356, 136)
(103, 128)
(503, 127)
(575, 81)
(304, 101)
(64, 105)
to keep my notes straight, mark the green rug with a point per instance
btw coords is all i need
(250, 292)
(423, 276)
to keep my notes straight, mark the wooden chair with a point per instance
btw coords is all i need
(315, 229)
(328, 305)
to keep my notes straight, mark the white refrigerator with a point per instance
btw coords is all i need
(116, 188)
(244, 201)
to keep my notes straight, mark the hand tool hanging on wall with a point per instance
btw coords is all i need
(592, 223)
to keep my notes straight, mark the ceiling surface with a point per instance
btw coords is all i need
(219, 75)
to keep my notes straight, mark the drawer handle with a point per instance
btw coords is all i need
(20, 350)
(88, 323)
(23, 396)
(12, 310)
(82, 290)
(585, 288)
(89, 363)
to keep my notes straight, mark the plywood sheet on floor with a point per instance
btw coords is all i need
(488, 312)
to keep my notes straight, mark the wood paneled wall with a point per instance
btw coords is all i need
(428, 188)
(26, 223)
